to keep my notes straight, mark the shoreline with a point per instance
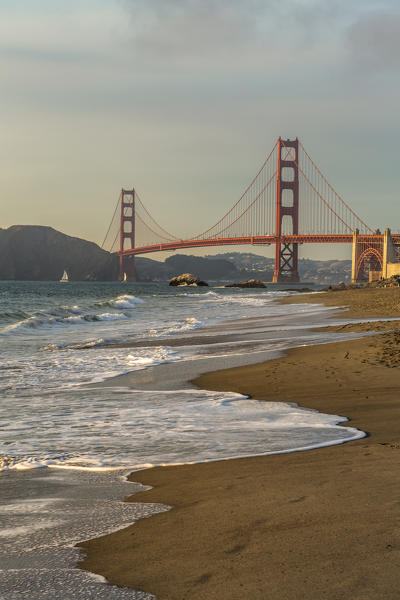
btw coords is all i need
(263, 512)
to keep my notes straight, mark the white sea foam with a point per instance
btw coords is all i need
(152, 357)
(204, 295)
(25, 505)
(30, 322)
(82, 346)
(72, 309)
(260, 300)
(51, 321)
(110, 317)
(38, 551)
(75, 315)
(247, 298)
(188, 324)
(51, 420)
(126, 301)
(168, 427)
(28, 530)
(55, 369)
(70, 426)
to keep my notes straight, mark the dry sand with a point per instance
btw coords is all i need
(321, 524)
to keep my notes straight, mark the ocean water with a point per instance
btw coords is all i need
(57, 340)
(68, 421)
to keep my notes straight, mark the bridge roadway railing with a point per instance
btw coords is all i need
(256, 240)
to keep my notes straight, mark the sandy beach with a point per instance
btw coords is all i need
(320, 524)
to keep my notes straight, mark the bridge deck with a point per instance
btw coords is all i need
(257, 240)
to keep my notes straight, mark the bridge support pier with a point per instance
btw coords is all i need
(127, 232)
(354, 257)
(287, 211)
(370, 255)
(389, 254)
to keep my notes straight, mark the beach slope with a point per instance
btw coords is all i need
(321, 524)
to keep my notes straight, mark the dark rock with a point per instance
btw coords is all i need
(393, 281)
(336, 288)
(187, 279)
(250, 283)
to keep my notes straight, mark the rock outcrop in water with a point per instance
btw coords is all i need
(37, 253)
(250, 283)
(187, 279)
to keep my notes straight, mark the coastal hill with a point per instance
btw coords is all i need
(38, 253)
(262, 267)
(236, 266)
(218, 269)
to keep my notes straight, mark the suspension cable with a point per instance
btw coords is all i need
(170, 235)
(315, 189)
(250, 205)
(137, 215)
(111, 222)
(333, 190)
(240, 199)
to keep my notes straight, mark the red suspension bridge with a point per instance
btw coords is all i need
(288, 202)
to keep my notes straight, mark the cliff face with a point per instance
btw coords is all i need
(36, 253)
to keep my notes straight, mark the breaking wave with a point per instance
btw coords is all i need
(126, 302)
(188, 324)
(36, 322)
(70, 315)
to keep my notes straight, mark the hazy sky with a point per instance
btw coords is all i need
(184, 98)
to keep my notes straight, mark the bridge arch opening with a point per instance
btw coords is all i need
(370, 259)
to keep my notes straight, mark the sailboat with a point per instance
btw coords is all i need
(124, 279)
(64, 278)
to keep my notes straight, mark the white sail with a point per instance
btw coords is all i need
(124, 278)
(65, 276)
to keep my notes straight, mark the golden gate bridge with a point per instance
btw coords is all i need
(288, 202)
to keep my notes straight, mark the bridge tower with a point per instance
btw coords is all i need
(287, 211)
(127, 232)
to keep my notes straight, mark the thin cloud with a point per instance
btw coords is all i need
(374, 42)
(176, 28)
(203, 28)
(252, 31)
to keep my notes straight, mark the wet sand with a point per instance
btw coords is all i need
(321, 524)
(360, 302)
